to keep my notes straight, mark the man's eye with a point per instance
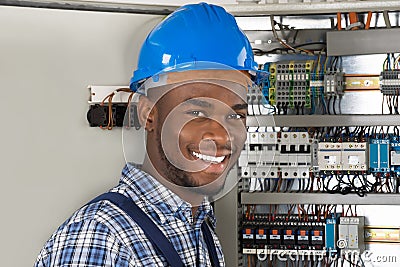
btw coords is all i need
(197, 113)
(236, 116)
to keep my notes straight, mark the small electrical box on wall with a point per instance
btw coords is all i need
(109, 105)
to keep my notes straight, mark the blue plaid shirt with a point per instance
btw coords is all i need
(100, 234)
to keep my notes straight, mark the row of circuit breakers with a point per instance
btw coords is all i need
(294, 155)
(317, 236)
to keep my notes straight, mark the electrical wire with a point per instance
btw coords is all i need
(284, 44)
(109, 98)
(368, 22)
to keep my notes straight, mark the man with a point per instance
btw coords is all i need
(193, 75)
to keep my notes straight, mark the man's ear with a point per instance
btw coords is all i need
(146, 113)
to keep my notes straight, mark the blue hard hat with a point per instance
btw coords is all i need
(194, 33)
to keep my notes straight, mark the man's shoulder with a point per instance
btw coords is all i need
(98, 228)
(101, 212)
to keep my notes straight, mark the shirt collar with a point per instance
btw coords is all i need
(163, 201)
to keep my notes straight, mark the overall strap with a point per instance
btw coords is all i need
(212, 251)
(152, 232)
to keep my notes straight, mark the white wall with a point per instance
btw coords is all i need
(52, 162)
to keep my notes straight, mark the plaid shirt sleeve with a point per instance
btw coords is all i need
(84, 243)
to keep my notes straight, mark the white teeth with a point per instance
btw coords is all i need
(209, 158)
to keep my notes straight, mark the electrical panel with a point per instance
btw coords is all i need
(355, 159)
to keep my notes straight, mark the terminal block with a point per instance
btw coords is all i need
(317, 84)
(265, 83)
(390, 82)
(272, 81)
(290, 84)
(333, 82)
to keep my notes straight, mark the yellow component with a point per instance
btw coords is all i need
(272, 74)
(291, 65)
(357, 82)
(382, 234)
(272, 99)
(309, 64)
(272, 68)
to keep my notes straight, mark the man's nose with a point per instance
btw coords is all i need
(217, 132)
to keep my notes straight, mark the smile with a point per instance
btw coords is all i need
(208, 158)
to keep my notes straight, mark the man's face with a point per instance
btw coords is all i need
(199, 133)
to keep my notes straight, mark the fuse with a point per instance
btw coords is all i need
(248, 240)
(303, 238)
(261, 238)
(275, 238)
(289, 241)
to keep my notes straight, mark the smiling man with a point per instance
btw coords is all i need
(193, 75)
(195, 128)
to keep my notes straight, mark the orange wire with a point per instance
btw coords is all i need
(109, 97)
(368, 22)
(353, 19)
(339, 21)
(110, 123)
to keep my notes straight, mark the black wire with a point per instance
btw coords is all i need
(307, 187)
(334, 189)
(300, 185)
(261, 184)
(252, 109)
(329, 105)
(383, 101)
(289, 184)
(274, 188)
(260, 52)
(259, 108)
(267, 185)
(285, 109)
(307, 44)
(388, 98)
(334, 105)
